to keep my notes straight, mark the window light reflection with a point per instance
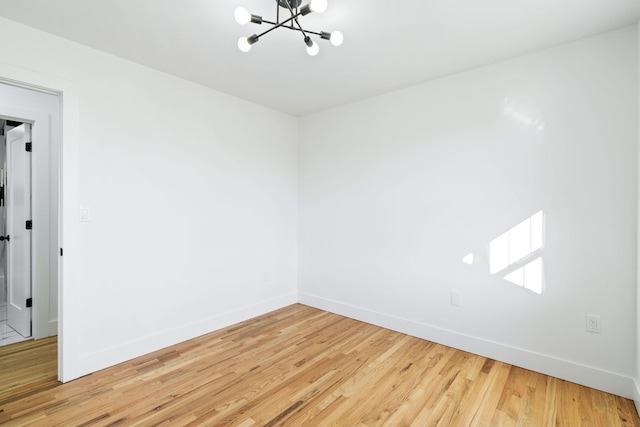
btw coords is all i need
(522, 241)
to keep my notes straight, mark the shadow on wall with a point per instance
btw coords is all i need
(516, 254)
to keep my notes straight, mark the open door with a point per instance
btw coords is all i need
(18, 203)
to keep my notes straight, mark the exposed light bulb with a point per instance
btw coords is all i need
(243, 44)
(313, 49)
(318, 6)
(242, 16)
(337, 38)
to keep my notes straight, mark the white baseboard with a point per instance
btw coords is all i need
(92, 362)
(53, 328)
(564, 369)
(636, 397)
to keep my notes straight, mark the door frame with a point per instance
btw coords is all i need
(65, 155)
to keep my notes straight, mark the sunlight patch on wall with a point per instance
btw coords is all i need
(529, 277)
(517, 245)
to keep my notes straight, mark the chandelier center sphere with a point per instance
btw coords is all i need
(292, 3)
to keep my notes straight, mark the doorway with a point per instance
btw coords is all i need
(33, 117)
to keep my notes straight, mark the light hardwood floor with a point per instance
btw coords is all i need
(298, 366)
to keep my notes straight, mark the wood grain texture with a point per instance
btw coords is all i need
(298, 366)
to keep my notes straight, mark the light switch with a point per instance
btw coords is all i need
(85, 214)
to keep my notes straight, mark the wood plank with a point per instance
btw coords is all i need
(298, 366)
(27, 368)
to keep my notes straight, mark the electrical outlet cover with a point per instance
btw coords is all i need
(592, 324)
(455, 298)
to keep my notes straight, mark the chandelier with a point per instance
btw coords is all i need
(291, 22)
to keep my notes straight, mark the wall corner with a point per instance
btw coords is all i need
(636, 391)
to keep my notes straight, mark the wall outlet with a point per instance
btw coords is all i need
(455, 298)
(593, 324)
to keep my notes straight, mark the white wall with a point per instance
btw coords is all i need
(42, 109)
(394, 191)
(192, 195)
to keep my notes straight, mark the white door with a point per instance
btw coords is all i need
(18, 204)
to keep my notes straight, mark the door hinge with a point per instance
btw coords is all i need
(60, 251)
(28, 146)
(29, 302)
(2, 132)
(29, 225)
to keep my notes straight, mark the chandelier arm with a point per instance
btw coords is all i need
(278, 25)
(295, 18)
(306, 31)
(316, 33)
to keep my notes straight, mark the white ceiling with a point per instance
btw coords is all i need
(388, 44)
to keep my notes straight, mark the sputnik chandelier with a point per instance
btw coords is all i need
(295, 11)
